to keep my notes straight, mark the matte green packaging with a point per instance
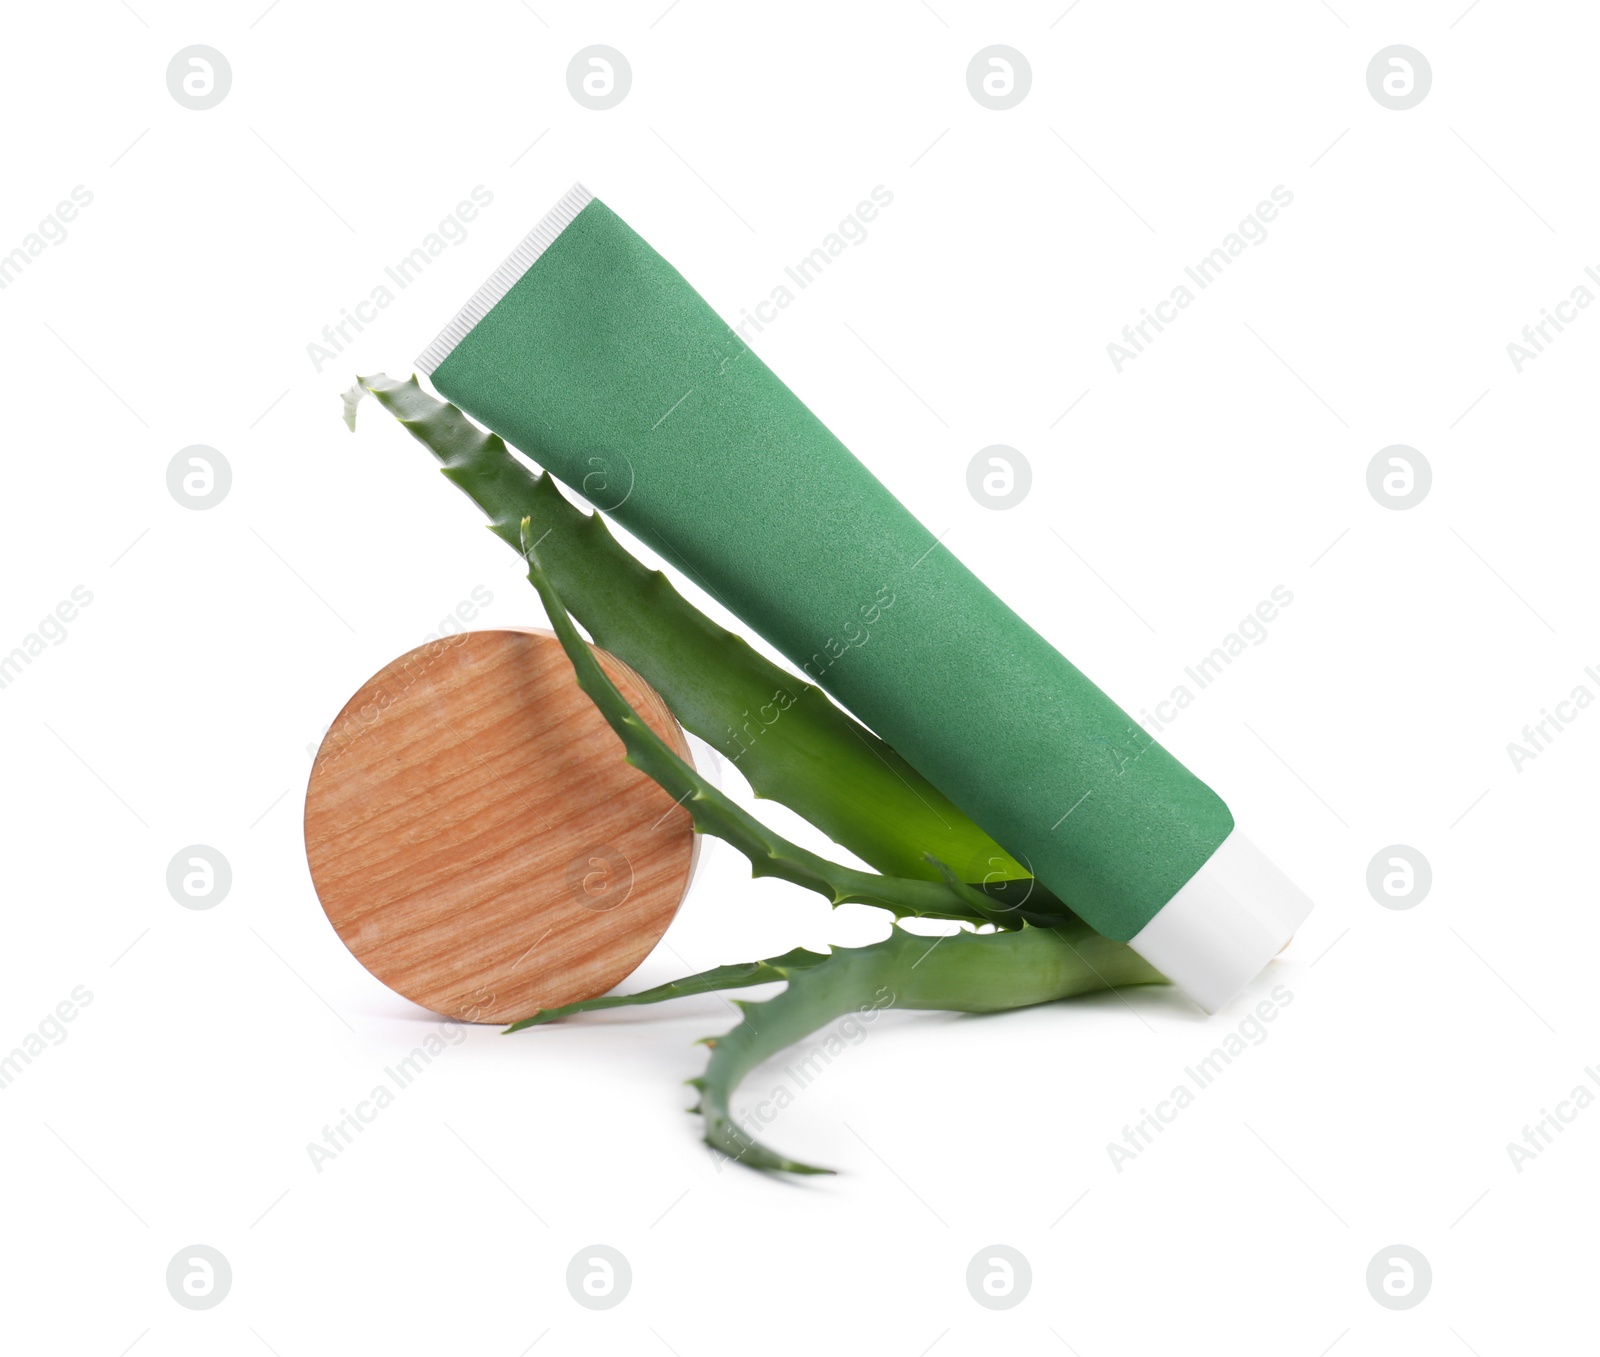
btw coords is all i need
(591, 354)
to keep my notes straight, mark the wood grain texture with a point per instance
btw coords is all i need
(477, 840)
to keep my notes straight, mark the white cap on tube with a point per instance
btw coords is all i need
(1231, 917)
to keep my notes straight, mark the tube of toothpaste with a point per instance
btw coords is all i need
(592, 354)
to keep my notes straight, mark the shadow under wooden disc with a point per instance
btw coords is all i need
(477, 840)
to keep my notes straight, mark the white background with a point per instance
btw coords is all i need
(1229, 458)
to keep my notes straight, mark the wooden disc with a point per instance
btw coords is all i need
(477, 840)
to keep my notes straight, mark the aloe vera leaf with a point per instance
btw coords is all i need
(770, 854)
(739, 975)
(810, 756)
(964, 972)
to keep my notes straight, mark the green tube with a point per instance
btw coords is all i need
(593, 355)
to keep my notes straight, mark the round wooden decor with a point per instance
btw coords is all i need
(477, 840)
